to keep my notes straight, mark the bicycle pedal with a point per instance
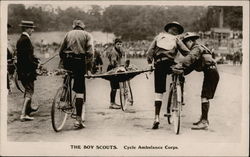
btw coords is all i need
(167, 115)
(67, 108)
(73, 116)
(173, 110)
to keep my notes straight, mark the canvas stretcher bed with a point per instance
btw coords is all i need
(119, 76)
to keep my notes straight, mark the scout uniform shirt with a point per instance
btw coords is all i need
(78, 42)
(198, 59)
(115, 56)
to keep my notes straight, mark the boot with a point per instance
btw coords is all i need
(29, 109)
(203, 125)
(196, 123)
(79, 124)
(155, 125)
(114, 106)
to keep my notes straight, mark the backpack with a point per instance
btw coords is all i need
(206, 56)
(166, 41)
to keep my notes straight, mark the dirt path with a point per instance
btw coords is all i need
(116, 126)
(105, 122)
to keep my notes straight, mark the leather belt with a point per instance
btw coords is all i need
(161, 59)
(74, 56)
(211, 67)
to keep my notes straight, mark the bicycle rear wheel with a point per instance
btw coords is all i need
(18, 83)
(58, 114)
(177, 109)
(126, 96)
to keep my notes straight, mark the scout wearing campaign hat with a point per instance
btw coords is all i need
(174, 24)
(27, 24)
(190, 36)
(78, 23)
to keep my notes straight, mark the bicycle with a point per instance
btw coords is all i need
(175, 101)
(63, 103)
(18, 83)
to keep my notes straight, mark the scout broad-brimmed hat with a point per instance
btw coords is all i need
(78, 23)
(174, 24)
(27, 24)
(190, 36)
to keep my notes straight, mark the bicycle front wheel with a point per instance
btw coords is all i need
(169, 106)
(126, 96)
(58, 114)
(177, 109)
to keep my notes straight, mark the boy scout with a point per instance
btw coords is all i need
(200, 59)
(163, 51)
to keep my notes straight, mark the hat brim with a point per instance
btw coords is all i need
(74, 26)
(27, 26)
(180, 28)
(191, 38)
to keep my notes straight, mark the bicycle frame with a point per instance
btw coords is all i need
(68, 94)
(67, 85)
(64, 95)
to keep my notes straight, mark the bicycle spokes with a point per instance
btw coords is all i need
(58, 112)
(126, 97)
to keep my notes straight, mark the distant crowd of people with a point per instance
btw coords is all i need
(138, 49)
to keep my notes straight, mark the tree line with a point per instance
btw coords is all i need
(130, 22)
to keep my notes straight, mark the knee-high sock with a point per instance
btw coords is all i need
(28, 106)
(112, 95)
(158, 107)
(204, 110)
(79, 104)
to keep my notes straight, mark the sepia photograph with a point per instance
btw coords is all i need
(124, 78)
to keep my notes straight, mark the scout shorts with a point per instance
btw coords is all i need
(162, 69)
(77, 66)
(210, 82)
